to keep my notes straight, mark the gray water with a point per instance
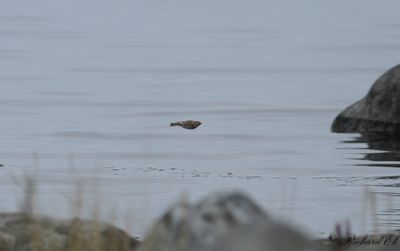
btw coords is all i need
(88, 89)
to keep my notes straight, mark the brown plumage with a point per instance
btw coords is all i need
(187, 124)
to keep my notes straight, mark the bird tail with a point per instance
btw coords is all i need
(175, 124)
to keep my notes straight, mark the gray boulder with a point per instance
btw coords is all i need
(216, 222)
(266, 236)
(378, 111)
(21, 232)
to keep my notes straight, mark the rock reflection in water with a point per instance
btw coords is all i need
(389, 149)
(382, 150)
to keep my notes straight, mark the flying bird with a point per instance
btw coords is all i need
(187, 124)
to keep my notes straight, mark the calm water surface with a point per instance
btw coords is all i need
(87, 92)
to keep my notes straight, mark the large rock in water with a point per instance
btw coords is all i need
(216, 222)
(21, 232)
(378, 111)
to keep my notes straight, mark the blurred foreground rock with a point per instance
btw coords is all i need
(222, 221)
(265, 236)
(19, 232)
(228, 221)
(378, 111)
